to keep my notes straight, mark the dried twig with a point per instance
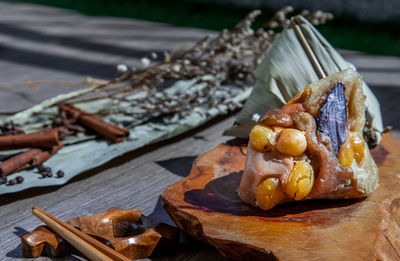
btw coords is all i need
(35, 84)
(228, 58)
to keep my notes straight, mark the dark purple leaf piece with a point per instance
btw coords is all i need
(332, 119)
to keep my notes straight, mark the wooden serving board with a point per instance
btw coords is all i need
(205, 205)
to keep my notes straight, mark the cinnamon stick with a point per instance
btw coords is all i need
(27, 159)
(45, 138)
(108, 130)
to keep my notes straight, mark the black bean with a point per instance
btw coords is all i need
(40, 167)
(3, 180)
(60, 174)
(332, 119)
(19, 179)
(49, 174)
(12, 182)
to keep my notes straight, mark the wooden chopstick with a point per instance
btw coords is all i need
(307, 49)
(89, 246)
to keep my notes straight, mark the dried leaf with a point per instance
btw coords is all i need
(286, 70)
(87, 153)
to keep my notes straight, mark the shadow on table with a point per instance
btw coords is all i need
(187, 247)
(17, 252)
(180, 166)
(220, 196)
(60, 62)
(159, 215)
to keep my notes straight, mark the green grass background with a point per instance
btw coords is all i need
(344, 31)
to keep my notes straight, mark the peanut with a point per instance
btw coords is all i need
(262, 138)
(352, 149)
(292, 142)
(358, 145)
(346, 154)
(269, 193)
(301, 180)
(276, 117)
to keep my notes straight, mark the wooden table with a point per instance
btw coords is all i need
(45, 43)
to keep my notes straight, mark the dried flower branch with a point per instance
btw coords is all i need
(281, 18)
(227, 59)
(34, 84)
(230, 58)
(208, 78)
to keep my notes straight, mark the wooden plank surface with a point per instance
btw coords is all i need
(45, 43)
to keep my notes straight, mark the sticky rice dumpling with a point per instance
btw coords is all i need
(312, 147)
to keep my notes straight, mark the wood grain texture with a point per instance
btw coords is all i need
(205, 204)
(42, 43)
(45, 43)
(135, 180)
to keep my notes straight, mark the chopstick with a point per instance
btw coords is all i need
(307, 49)
(89, 246)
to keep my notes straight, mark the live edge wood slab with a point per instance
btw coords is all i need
(205, 205)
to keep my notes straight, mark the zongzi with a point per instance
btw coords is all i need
(311, 148)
